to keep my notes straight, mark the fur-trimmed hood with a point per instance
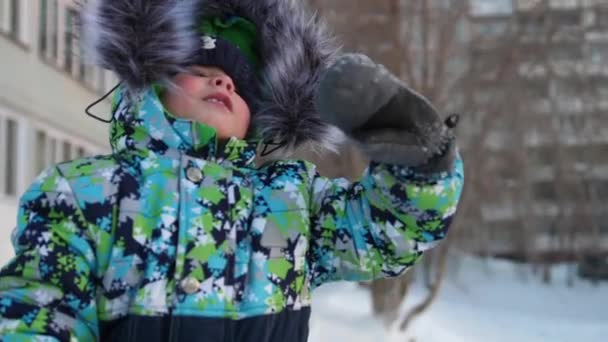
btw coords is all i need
(147, 41)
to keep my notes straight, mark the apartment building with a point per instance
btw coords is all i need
(44, 88)
(557, 84)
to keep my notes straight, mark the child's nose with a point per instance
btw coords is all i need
(223, 81)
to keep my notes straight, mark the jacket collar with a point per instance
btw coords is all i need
(141, 125)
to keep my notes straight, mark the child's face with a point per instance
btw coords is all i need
(208, 95)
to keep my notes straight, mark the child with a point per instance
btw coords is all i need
(177, 235)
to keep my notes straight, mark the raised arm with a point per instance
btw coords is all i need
(407, 198)
(379, 226)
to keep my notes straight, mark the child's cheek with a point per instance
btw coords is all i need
(189, 83)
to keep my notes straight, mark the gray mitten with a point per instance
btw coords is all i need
(393, 123)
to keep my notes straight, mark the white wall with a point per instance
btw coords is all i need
(45, 93)
(8, 220)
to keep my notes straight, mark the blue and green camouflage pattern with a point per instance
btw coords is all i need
(176, 223)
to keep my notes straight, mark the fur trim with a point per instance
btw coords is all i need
(146, 41)
(142, 41)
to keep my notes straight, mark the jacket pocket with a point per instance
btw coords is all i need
(287, 247)
(285, 241)
(284, 231)
(272, 237)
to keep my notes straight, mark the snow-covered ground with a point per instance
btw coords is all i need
(484, 301)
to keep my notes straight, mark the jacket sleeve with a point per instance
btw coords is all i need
(379, 226)
(46, 291)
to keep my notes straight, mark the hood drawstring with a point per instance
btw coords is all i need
(88, 109)
(267, 150)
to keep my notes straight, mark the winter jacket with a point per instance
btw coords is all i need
(178, 237)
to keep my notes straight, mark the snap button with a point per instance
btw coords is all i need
(190, 285)
(194, 174)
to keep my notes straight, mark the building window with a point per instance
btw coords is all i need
(59, 45)
(53, 148)
(533, 25)
(602, 90)
(10, 18)
(41, 162)
(565, 19)
(47, 34)
(11, 157)
(536, 89)
(15, 19)
(67, 151)
(601, 17)
(49, 147)
(601, 189)
(544, 191)
(567, 96)
(42, 41)
(74, 51)
(8, 154)
(53, 25)
(566, 53)
(597, 52)
(70, 41)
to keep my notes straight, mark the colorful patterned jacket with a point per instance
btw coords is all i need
(176, 237)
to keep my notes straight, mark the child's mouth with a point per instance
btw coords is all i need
(220, 100)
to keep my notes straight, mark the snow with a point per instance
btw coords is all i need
(482, 301)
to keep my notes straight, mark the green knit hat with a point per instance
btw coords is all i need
(238, 31)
